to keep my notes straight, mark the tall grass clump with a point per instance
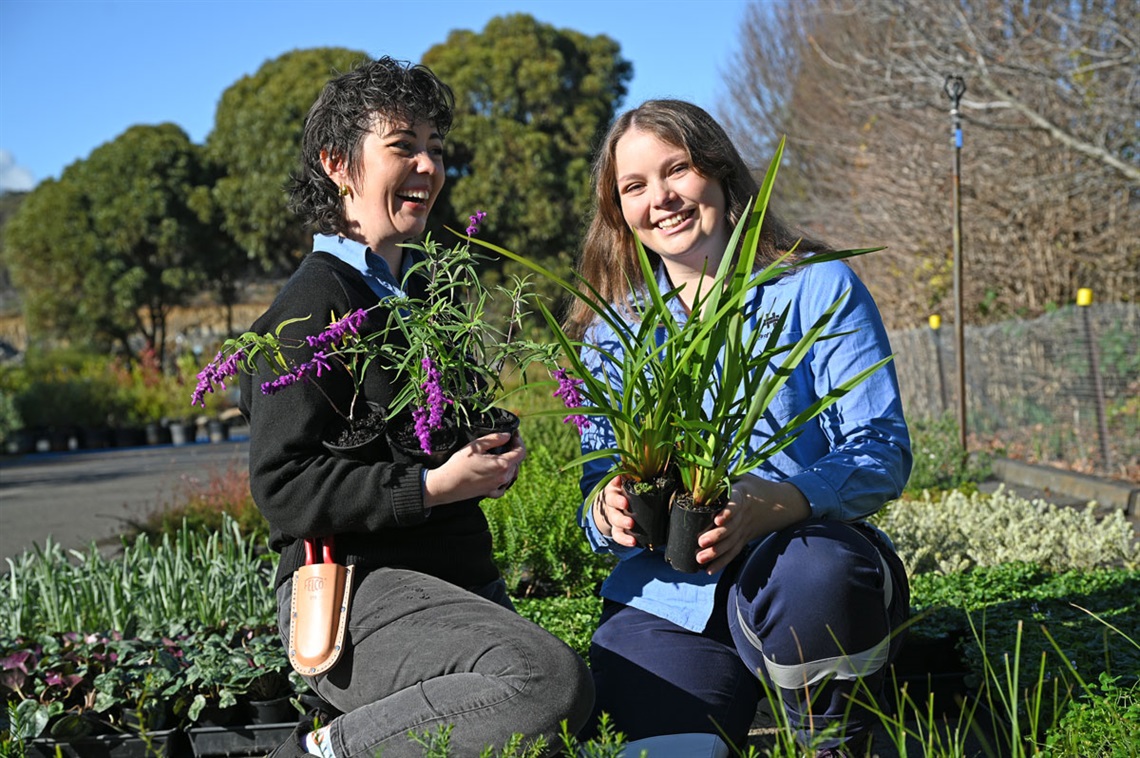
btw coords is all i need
(191, 577)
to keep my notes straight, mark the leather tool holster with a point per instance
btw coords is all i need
(322, 590)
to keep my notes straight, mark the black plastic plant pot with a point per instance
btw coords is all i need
(365, 441)
(491, 421)
(275, 711)
(369, 451)
(170, 743)
(247, 739)
(406, 447)
(687, 521)
(649, 507)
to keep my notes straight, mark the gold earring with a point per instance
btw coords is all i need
(345, 191)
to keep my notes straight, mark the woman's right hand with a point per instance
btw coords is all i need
(475, 472)
(611, 514)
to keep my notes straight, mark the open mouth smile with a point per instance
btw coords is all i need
(671, 222)
(414, 195)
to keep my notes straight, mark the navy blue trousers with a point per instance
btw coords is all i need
(815, 611)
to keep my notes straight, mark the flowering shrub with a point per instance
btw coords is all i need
(340, 343)
(455, 355)
(956, 532)
(452, 353)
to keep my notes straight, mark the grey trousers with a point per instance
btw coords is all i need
(422, 653)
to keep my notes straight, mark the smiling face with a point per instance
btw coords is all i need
(676, 211)
(394, 184)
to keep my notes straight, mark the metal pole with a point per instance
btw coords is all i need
(935, 322)
(955, 87)
(1084, 300)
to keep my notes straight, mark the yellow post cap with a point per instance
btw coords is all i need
(1084, 296)
(935, 321)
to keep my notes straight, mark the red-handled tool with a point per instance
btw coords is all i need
(322, 589)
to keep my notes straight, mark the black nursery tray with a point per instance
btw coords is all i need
(169, 743)
(250, 740)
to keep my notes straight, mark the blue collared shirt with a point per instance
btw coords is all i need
(847, 462)
(371, 266)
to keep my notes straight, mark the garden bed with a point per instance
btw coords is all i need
(997, 581)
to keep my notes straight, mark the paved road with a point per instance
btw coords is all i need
(81, 496)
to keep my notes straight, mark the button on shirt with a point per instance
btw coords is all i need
(847, 462)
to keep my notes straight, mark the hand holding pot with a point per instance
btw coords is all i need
(612, 516)
(756, 507)
(475, 471)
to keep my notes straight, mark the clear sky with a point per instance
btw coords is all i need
(75, 74)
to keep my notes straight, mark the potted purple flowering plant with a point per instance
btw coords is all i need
(446, 345)
(458, 344)
(342, 345)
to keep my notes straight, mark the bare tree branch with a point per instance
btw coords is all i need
(1050, 167)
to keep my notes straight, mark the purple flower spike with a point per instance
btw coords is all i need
(477, 219)
(436, 400)
(216, 372)
(568, 392)
(319, 363)
(336, 331)
(280, 383)
(423, 428)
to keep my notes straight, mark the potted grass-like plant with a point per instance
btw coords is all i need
(633, 392)
(727, 373)
(688, 393)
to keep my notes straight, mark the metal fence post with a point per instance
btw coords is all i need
(955, 87)
(1084, 300)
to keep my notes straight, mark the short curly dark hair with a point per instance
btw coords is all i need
(343, 114)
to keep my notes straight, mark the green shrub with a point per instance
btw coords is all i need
(10, 420)
(70, 388)
(61, 388)
(1022, 609)
(538, 545)
(940, 463)
(1102, 722)
(570, 619)
(954, 531)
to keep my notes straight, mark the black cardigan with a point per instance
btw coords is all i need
(375, 510)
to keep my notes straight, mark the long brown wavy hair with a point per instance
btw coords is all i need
(609, 255)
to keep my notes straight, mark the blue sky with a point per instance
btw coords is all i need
(75, 74)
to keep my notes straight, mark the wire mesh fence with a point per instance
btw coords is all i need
(1064, 387)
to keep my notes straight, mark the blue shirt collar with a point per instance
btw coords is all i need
(371, 266)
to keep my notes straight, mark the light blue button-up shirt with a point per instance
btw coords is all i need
(371, 266)
(847, 462)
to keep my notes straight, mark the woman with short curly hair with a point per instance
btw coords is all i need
(432, 639)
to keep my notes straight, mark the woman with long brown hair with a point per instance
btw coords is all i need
(797, 589)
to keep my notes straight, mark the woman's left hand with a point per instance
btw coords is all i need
(474, 471)
(757, 507)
